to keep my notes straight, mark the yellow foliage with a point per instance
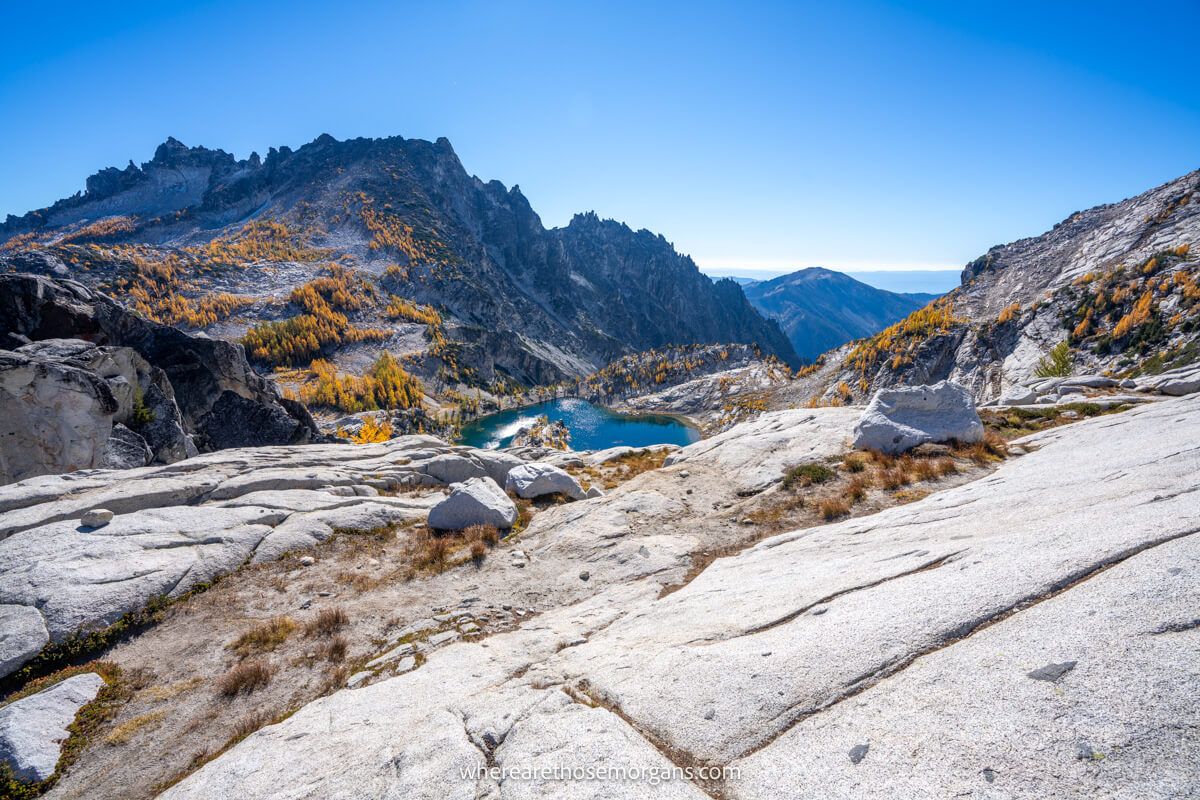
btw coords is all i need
(1138, 316)
(399, 308)
(1084, 327)
(301, 338)
(903, 338)
(259, 240)
(1182, 250)
(102, 229)
(387, 385)
(373, 431)
(1008, 312)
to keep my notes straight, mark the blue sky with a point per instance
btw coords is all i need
(770, 136)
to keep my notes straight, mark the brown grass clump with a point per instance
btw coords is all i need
(856, 490)
(855, 462)
(263, 638)
(894, 478)
(327, 622)
(432, 553)
(924, 469)
(631, 465)
(945, 466)
(358, 581)
(335, 649)
(123, 732)
(991, 448)
(482, 533)
(832, 508)
(478, 551)
(245, 676)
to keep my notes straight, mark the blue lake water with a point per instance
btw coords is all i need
(592, 427)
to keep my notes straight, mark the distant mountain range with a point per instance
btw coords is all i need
(820, 309)
(901, 281)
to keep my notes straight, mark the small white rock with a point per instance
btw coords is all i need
(307, 561)
(96, 518)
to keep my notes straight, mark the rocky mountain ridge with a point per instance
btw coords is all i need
(456, 275)
(1113, 288)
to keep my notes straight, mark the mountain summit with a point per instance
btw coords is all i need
(342, 249)
(820, 309)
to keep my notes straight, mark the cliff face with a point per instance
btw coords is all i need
(516, 301)
(1116, 286)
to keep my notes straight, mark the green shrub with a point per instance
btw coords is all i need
(807, 475)
(1056, 363)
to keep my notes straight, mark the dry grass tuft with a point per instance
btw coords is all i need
(855, 462)
(245, 676)
(833, 507)
(631, 465)
(123, 732)
(945, 466)
(327, 622)
(924, 469)
(263, 638)
(856, 489)
(335, 649)
(992, 448)
(482, 533)
(432, 553)
(894, 478)
(478, 551)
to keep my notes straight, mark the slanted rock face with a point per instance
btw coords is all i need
(33, 728)
(56, 418)
(79, 551)
(199, 370)
(478, 501)
(900, 419)
(178, 393)
(538, 479)
(918, 652)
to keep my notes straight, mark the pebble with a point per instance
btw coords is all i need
(583, 576)
(357, 678)
(307, 561)
(96, 518)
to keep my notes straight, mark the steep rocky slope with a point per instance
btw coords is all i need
(86, 383)
(1115, 286)
(343, 249)
(820, 309)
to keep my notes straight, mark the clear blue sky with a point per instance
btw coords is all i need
(759, 135)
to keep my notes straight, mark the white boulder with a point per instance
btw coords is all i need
(1177, 382)
(1019, 396)
(478, 501)
(453, 468)
(899, 419)
(538, 479)
(33, 729)
(96, 518)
